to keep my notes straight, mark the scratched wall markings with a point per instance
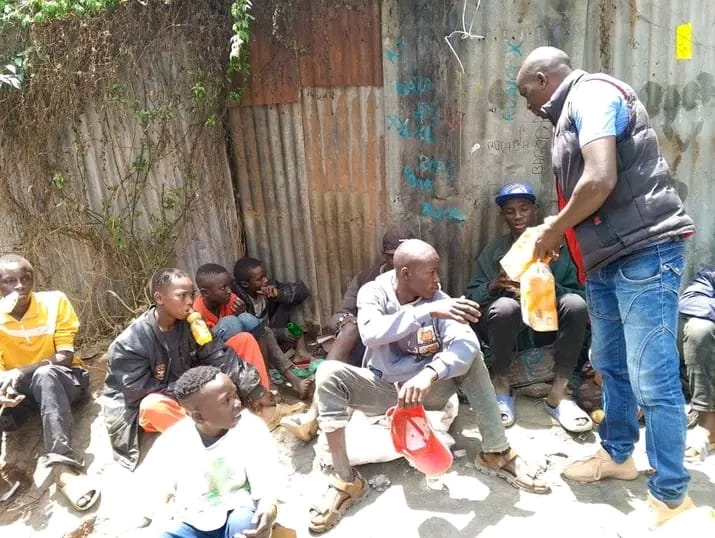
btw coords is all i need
(419, 122)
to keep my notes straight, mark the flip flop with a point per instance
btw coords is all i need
(506, 409)
(530, 479)
(570, 415)
(11, 491)
(77, 486)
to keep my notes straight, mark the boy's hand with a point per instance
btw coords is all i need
(414, 391)
(263, 519)
(271, 292)
(9, 380)
(238, 306)
(461, 310)
(503, 282)
(11, 399)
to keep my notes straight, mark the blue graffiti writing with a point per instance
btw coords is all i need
(393, 54)
(441, 214)
(513, 62)
(426, 112)
(430, 165)
(425, 116)
(416, 182)
(396, 123)
(416, 85)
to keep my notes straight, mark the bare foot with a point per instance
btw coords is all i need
(304, 387)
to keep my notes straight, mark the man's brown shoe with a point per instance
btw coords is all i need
(600, 466)
(661, 512)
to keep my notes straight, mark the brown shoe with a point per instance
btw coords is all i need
(600, 466)
(661, 512)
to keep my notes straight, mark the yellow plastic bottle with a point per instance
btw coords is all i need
(521, 254)
(199, 329)
(538, 298)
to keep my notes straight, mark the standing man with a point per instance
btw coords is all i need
(501, 324)
(615, 191)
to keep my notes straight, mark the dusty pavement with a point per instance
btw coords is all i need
(469, 505)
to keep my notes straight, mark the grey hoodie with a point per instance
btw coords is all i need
(401, 340)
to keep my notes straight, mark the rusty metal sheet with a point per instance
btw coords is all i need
(311, 184)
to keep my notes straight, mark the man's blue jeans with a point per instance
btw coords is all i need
(236, 522)
(633, 303)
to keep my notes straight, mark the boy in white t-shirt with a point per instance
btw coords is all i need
(216, 469)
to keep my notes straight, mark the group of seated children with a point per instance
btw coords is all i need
(399, 339)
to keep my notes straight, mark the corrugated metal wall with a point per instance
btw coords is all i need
(479, 127)
(452, 134)
(309, 149)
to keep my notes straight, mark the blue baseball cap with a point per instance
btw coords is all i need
(515, 190)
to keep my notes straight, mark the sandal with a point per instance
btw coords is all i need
(506, 409)
(528, 480)
(340, 496)
(305, 431)
(571, 417)
(698, 445)
(283, 410)
(77, 488)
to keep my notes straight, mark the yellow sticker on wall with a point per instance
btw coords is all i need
(684, 41)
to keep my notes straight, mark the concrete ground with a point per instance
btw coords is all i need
(468, 504)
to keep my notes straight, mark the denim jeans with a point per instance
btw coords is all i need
(229, 326)
(633, 303)
(340, 386)
(237, 521)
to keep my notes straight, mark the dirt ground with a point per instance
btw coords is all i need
(467, 505)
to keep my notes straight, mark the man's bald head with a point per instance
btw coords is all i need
(540, 74)
(548, 60)
(413, 251)
(417, 269)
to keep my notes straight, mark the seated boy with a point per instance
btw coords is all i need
(420, 350)
(697, 311)
(347, 346)
(147, 358)
(501, 324)
(271, 303)
(40, 371)
(229, 487)
(224, 312)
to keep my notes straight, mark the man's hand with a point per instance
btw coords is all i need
(414, 391)
(263, 519)
(271, 292)
(461, 310)
(238, 306)
(548, 242)
(9, 380)
(503, 282)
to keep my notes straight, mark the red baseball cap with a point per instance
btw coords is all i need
(414, 439)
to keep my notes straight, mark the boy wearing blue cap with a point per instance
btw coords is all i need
(501, 322)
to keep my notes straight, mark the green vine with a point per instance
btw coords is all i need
(91, 98)
(238, 61)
